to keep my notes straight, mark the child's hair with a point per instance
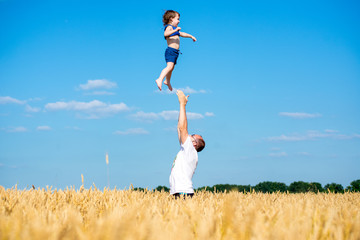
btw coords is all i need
(168, 15)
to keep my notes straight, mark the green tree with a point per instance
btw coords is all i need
(299, 187)
(207, 188)
(354, 186)
(334, 187)
(140, 189)
(270, 187)
(162, 188)
(227, 187)
(244, 188)
(316, 187)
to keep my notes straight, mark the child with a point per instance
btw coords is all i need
(172, 35)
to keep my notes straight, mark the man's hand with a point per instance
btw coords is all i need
(182, 98)
(193, 38)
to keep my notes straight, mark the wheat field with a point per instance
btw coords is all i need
(127, 214)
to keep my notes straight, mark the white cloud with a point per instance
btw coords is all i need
(345, 137)
(275, 149)
(43, 128)
(74, 105)
(101, 93)
(132, 131)
(16, 129)
(36, 99)
(191, 115)
(166, 115)
(331, 131)
(94, 109)
(8, 100)
(170, 115)
(28, 108)
(313, 135)
(287, 138)
(186, 90)
(142, 116)
(299, 115)
(278, 154)
(99, 83)
(209, 114)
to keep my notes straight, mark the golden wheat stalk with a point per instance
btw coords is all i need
(107, 164)
(128, 214)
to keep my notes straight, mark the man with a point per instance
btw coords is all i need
(185, 163)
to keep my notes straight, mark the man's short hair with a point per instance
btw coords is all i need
(202, 145)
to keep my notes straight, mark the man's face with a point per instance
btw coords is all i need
(196, 140)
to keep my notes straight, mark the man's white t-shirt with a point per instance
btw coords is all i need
(183, 168)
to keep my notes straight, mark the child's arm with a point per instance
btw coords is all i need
(169, 31)
(186, 35)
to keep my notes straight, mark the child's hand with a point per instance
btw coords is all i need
(193, 38)
(178, 29)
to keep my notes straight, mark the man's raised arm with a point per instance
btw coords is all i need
(182, 122)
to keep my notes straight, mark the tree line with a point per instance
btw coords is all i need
(270, 187)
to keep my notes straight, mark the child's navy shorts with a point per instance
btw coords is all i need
(171, 54)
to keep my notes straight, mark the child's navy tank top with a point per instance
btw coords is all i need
(175, 33)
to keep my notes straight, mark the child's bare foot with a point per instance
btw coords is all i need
(168, 84)
(158, 83)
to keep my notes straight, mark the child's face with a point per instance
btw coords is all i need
(175, 21)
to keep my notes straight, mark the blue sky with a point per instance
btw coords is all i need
(274, 90)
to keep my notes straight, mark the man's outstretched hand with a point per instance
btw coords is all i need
(182, 98)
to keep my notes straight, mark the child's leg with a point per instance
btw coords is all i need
(164, 72)
(167, 80)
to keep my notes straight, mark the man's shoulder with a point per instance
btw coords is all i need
(186, 141)
(188, 146)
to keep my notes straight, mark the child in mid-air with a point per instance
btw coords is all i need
(172, 35)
